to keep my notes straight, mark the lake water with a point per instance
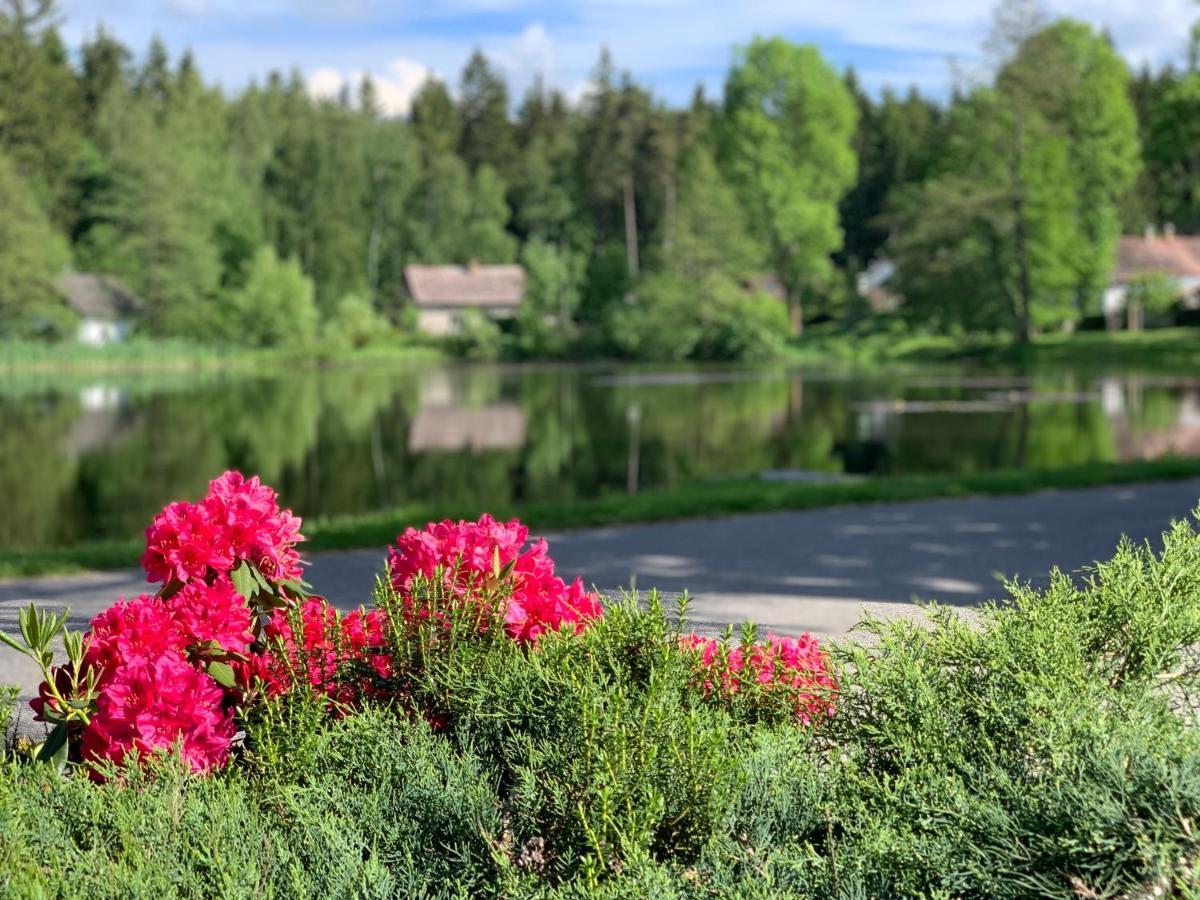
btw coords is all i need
(93, 458)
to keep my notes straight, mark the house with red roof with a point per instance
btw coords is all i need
(443, 294)
(1174, 255)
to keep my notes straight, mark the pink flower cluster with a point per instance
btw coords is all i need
(173, 670)
(239, 519)
(796, 665)
(148, 658)
(320, 650)
(487, 563)
(156, 703)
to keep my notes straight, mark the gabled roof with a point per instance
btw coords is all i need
(1168, 254)
(463, 286)
(97, 296)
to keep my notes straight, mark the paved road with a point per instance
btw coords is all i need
(799, 571)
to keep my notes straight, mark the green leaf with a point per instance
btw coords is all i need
(73, 646)
(170, 589)
(244, 582)
(54, 752)
(258, 576)
(496, 562)
(222, 674)
(12, 642)
(27, 621)
(508, 568)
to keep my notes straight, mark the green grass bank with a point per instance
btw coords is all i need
(880, 340)
(871, 342)
(172, 355)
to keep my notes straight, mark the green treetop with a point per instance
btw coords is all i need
(276, 305)
(787, 147)
(487, 134)
(1079, 86)
(31, 255)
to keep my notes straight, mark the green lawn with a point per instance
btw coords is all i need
(719, 498)
(141, 355)
(884, 340)
(875, 340)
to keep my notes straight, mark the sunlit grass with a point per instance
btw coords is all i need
(888, 340)
(137, 355)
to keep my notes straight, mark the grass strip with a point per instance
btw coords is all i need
(700, 500)
(1165, 350)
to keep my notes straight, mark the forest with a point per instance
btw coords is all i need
(714, 231)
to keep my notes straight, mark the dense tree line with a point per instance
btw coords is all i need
(647, 230)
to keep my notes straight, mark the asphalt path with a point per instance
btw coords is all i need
(814, 570)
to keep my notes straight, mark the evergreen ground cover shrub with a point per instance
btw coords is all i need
(439, 743)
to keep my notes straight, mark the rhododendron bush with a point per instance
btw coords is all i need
(486, 565)
(174, 668)
(232, 626)
(437, 743)
(795, 671)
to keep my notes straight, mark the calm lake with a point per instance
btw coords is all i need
(96, 457)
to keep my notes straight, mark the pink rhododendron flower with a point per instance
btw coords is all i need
(212, 612)
(364, 637)
(320, 653)
(311, 654)
(472, 556)
(158, 703)
(548, 607)
(183, 543)
(239, 519)
(148, 658)
(253, 525)
(796, 664)
(145, 682)
(130, 630)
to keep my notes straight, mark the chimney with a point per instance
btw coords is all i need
(1169, 230)
(1148, 232)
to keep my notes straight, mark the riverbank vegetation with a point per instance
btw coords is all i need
(706, 499)
(273, 217)
(425, 747)
(891, 340)
(20, 358)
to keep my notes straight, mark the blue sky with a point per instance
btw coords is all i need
(669, 45)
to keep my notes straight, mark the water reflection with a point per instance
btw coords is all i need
(79, 462)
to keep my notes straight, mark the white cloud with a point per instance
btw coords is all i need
(580, 91)
(395, 86)
(326, 83)
(669, 45)
(525, 56)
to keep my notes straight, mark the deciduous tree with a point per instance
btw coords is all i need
(787, 146)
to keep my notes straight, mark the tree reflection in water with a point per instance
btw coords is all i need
(80, 461)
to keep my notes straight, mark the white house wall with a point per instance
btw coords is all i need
(96, 332)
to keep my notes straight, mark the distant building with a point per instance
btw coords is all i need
(1175, 256)
(106, 307)
(443, 293)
